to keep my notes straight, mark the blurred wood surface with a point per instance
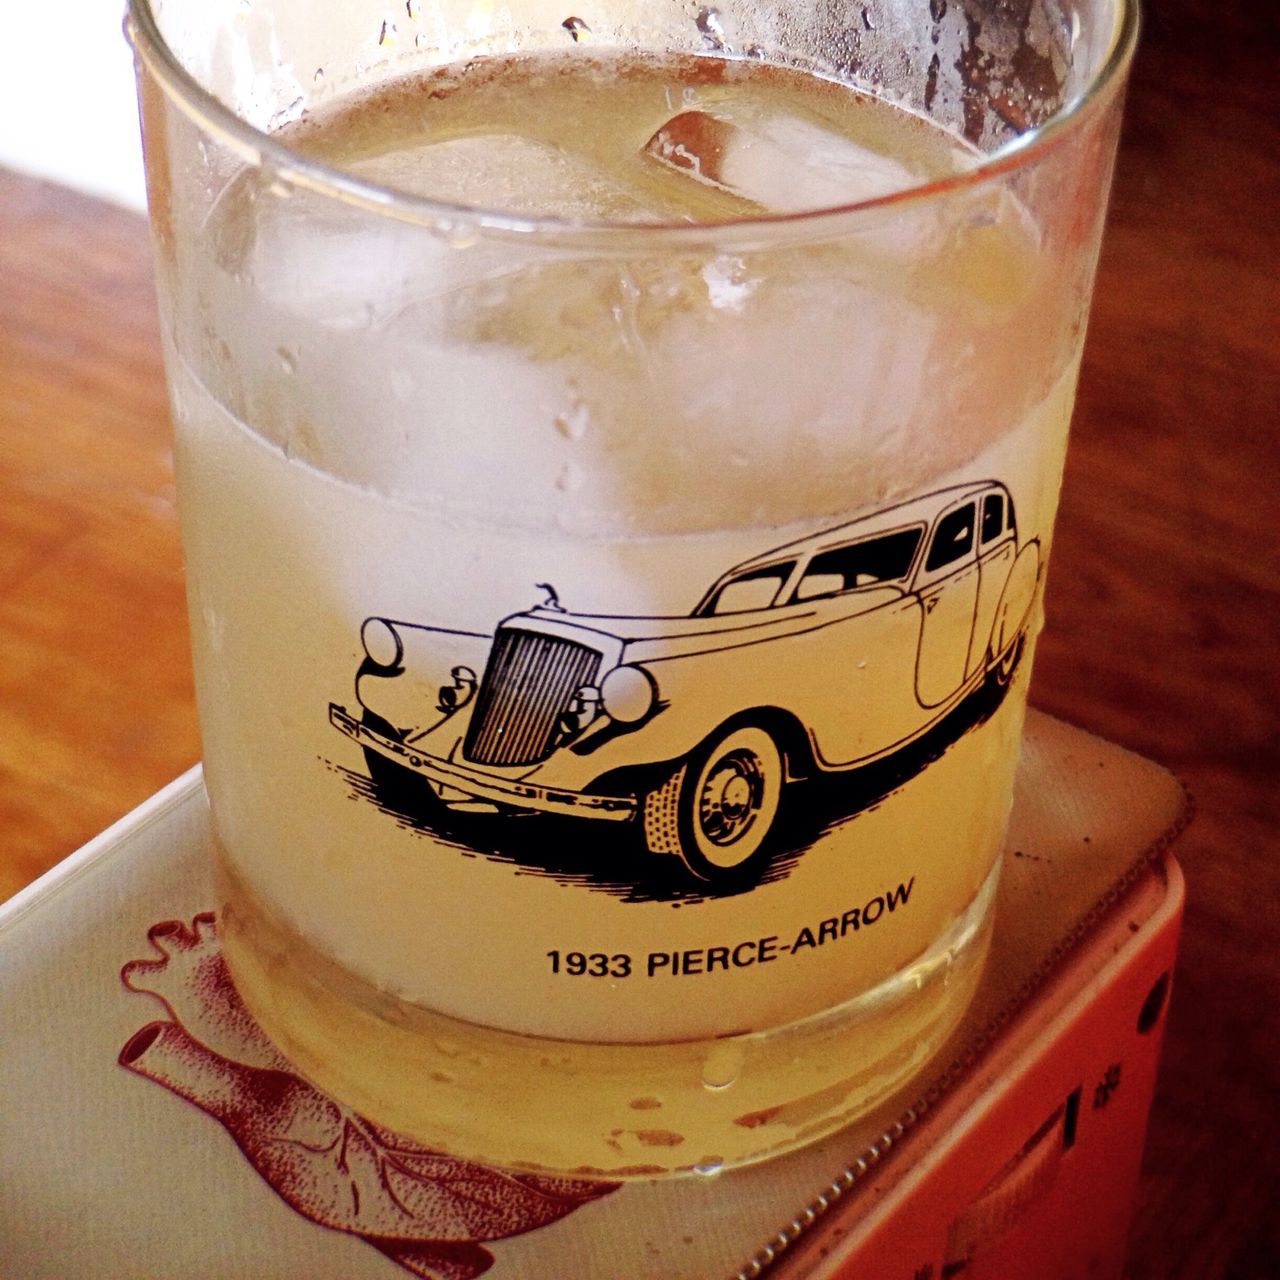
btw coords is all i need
(1164, 595)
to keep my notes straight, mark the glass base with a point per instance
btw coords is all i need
(597, 1110)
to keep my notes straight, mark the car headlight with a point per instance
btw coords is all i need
(382, 643)
(453, 697)
(628, 694)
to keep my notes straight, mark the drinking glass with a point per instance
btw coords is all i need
(612, 631)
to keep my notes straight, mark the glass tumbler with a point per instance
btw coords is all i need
(612, 626)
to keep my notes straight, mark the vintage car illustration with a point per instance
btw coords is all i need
(819, 656)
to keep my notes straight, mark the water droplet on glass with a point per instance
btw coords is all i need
(862, 666)
(319, 75)
(447, 1047)
(868, 20)
(708, 22)
(709, 1167)
(577, 29)
(288, 361)
(458, 235)
(388, 33)
(414, 9)
(571, 478)
(938, 9)
(213, 628)
(722, 1065)
(573, 423)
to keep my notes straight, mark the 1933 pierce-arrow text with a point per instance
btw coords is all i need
(737, 955)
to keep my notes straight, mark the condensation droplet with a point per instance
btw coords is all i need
(868, 20)
(288, 361)
(214, 628)
(573, 423)
(388, 33)
(862, 665)
(447, 1047)
(722, 1065)
(708, 22)
(577, 29)
(709, 1166)
(319, 75)
(938, 9)
(414, 9)
(571, 478)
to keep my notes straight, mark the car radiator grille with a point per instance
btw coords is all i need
(527, 686)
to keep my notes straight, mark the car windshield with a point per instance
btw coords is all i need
(752, 589)
(885, 558)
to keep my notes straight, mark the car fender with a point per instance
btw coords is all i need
(406, 695)
(633, 762)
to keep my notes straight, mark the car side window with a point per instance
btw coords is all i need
(952, 539)
(992, 517)
(886, 558)
(755, 589)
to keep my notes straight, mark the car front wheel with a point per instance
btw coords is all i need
(718, 808)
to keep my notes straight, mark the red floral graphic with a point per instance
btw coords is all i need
(422, 1209)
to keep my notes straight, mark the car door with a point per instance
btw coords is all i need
(860, 661)
(947, 588)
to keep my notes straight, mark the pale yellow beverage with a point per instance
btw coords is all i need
(611, 662)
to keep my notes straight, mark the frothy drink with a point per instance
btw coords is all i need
(611, 656)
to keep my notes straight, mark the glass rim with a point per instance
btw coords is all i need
(262, 149)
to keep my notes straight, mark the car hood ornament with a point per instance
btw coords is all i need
(553, 597)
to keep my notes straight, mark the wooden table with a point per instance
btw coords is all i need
(1163, 599)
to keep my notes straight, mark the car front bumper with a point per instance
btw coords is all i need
(484, 786)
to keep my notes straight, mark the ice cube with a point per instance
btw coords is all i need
(313, 257)
(783, 163)
(506, 172)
